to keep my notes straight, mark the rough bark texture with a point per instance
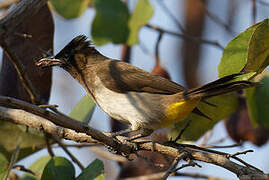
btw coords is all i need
(27, 50)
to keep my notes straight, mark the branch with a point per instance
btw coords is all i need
(216, 19)
(170, 14)
(161, 174)
(254, 11)
(72, 157)
(23, 10)
(7, 3)
(174, 165)
(157, 49)
(263, 2)
(185, 36)
(22, 168)
(108, 155)
(64, 123)
(80, 132)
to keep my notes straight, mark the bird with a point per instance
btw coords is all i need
(145, 101)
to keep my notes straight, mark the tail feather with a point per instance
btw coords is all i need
(222, 80)
(221, 86)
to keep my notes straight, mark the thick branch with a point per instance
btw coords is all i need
(22, 11)
(63, 122)
(23, 117)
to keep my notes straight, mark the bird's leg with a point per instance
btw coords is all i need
(118, 133)
(144, 133)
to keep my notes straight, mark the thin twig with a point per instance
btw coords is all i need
(73, 158)
(174, 164)
(157, 49)
(160, 175)
(227, 155)
(224, 146)
(216, 19)
(81, 145)
(169, 13)
(183, 130)
(254, 11)
(150, 161)
(185, 36)
(22, 168)
(262, 2)
(234, 156)
(105, 154)
(21, 73)
(239, 153)
(47, 139)
(206, 138)
(189, 164)
(218, 141)
(48, 106)
(200, 176)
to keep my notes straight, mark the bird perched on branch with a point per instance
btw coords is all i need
(131, 95)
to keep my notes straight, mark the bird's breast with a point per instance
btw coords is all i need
(131, 107)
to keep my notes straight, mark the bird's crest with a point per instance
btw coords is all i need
(78, 44)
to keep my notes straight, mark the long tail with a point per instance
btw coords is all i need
(221, 86)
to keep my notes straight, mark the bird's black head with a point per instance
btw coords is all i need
(66, 57)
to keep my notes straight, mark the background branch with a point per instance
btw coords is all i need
(185, 36)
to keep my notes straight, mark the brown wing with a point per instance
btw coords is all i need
(123, 77)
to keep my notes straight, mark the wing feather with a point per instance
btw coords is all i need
(123, 77)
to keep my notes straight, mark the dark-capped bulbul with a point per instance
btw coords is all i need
(131, 95)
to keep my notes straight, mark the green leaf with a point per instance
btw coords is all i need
(257, 103)
(234, 56)
(4, 164)
(70, 8)
(258, 51)
(140, 17)
(225, 105)
(83, 110)
(248, 52)
(94, 171)
(110, 23)
(244, 77)
(59, 168)
(33, 139)
(37, 167)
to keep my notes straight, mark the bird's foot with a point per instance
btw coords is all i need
(142, 133)
(119, 133)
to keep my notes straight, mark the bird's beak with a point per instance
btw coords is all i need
(49, 61)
